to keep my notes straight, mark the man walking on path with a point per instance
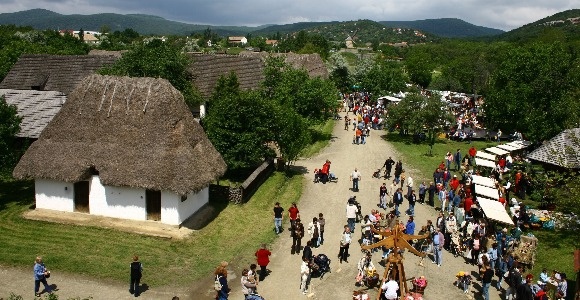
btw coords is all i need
(383, 192)
(409, 185)
(457, 159)
(388, 166)
(438, 241)
(398, 200)
(351, 211)
(344, 244)
(278, 215)
(355, 177)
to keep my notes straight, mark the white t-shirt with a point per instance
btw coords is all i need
(390, 287)
(351, 211)
(355, 175)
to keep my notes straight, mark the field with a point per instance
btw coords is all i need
(555, 249)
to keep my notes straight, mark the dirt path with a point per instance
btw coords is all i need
(283, 283)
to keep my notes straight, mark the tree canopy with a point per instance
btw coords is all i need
(9, 127)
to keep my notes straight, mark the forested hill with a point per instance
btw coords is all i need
(144, 24)
(446, 27)
(561, 26)
(147, 24)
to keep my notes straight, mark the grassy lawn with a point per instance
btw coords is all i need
(555, 249)
(321, 135)
(105, 254)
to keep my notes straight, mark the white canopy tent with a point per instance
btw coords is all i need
(519, 144)
(496, 150)
(494, 210)
(486, 191)
(481, 180)
(389, 98)
(484, 163)
(507, 147)
(485, 155)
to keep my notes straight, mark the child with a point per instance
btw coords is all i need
(463, 281)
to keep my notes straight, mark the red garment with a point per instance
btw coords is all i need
(293, 211)
(263, 257)
(502, 163)
(467, 204)
(472, 151)
(502, 200)
(442, 166)
(325, 168)
(454, 183)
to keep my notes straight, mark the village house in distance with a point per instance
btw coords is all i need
(125, 148)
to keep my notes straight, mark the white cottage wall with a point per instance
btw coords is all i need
(55, 195)
(174, 211)
(116, 202)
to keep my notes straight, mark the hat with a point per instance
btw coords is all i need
(454, 176)
(504, 230)
(461, 273)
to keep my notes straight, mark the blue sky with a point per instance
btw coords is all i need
(500, 14)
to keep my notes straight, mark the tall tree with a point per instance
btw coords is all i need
(532, 91)
(9, 127)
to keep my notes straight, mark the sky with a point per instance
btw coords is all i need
(500, 14)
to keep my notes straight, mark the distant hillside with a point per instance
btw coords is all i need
(446, 27)
(367, 31)
(144, 24)
(563, 25)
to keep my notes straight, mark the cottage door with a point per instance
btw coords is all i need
(153, 205)
(81, 196)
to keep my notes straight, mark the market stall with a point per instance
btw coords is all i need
(485, 155)
(496, 150)
(494, 210)
(481, 180)
(484, 163)
(486, 192)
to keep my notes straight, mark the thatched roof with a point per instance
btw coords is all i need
(135, 132)
(312, 63)
(206, 69)
(53, 72)
(562, 150)
(36, 108)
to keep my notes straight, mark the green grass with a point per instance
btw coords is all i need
(105, 253)
(555, 248)
(417, 155)
(321, 135)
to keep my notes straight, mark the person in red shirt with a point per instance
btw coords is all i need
(454, 183)
(293, 213)
(442, 165)
(472, 153)
(467, 204)
(263, 258)
(325, 171)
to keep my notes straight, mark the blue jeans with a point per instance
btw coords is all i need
(411, 210)
(397, 210)
(485, 290)
(278, 224)
(350, 222)
(437, 254)
(355, 184)
(37, 285)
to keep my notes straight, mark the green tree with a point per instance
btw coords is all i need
(292, 133)
(533, 91)
(9, 127)
(419, 66)
(417, 113)
(380, 77)
(158, 59)
(239, 124)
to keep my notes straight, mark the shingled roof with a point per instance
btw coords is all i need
(312, 63)
(135, 132)
(562, 150)
(206, 69)
(53, 72)
(36, 108)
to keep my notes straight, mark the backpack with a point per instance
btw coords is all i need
(217, 284)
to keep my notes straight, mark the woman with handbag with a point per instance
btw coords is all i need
(40, 275)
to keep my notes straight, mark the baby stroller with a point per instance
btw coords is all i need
(320, 265)
(456, 244)
(332, 178)
(377, 173)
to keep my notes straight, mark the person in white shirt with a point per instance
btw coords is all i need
(390, 287)
(409, 185)
(304, 273)
(355, 177)
(351, 211)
